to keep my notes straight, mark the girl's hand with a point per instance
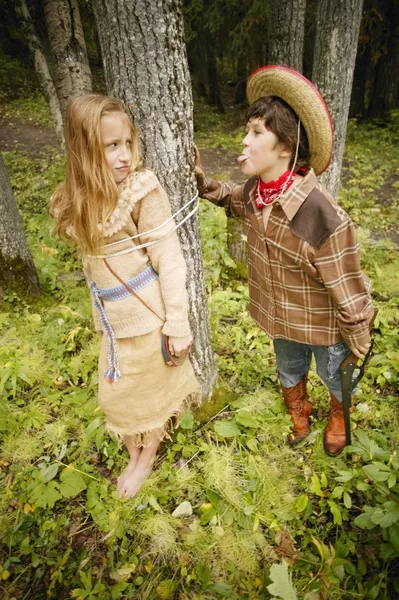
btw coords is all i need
(177, 345)
(360, 351)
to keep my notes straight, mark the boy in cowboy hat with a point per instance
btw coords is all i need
(307, 291)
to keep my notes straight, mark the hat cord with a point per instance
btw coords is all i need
(293, 167)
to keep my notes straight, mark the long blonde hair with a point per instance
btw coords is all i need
(89, 193)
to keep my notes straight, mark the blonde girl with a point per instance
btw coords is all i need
(120, 218)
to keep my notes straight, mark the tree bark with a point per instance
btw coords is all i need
(17, 271)
(237, 246)
(286, 33)
(41, 67)
(337, 34)
(72, 75)
(146, 65)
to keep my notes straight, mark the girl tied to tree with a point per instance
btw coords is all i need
(307, 291)
(119, 216)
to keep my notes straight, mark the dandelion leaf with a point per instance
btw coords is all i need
(282, 582)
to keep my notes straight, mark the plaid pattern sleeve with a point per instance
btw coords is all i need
(226, 194)
(338, 264)
(305, 282)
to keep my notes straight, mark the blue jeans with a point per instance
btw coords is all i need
(293, 362)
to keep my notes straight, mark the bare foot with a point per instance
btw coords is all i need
(133, 481)
(134, 454)
(128, 471)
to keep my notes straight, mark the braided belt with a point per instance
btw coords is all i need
(117, 293)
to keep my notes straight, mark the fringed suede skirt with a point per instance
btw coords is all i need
(150, 396)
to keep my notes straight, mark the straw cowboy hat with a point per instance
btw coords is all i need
(306, 100)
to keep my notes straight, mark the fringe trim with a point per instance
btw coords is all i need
(141, 438)
(136, 186)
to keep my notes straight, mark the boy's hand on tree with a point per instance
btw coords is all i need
(177, 345)
(198, 170)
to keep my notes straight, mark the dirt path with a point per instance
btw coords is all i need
(218, 163)
(25, 137)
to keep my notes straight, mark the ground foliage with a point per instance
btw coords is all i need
(231, 511)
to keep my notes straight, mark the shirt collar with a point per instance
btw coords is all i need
(293, 199)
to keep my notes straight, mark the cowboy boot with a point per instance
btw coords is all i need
(299, 409)
(334, 435)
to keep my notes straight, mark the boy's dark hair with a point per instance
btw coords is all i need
(283, 122)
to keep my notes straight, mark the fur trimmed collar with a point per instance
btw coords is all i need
(136, 185)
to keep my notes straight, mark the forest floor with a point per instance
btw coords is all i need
(228, 499)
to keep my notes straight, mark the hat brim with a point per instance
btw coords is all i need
(306, 100)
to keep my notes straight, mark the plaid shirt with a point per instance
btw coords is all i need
(305, 282)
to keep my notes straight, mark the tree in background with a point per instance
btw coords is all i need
(236, 33)
(72, 75)
(41, 65)
(337, 33)
(286, 33)
(286, 30)
(17, 271)
(385, 87)
(148, 70)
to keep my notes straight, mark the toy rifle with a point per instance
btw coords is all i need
(348, 382)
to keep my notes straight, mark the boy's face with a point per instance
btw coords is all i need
(263, 154)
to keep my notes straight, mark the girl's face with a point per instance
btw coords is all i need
(263, 154)
(116, 137)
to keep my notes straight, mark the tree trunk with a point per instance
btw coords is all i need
(363, 62)
(213, 76)
(286, 33)
(145, 64)
(358, 96)
(237, 240)
(72, 75)
(337, 34)
(286, 36)
(385, 94)
(41, 67)
(17, 271)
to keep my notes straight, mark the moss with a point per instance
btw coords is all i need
(18, 276)
(221, 398)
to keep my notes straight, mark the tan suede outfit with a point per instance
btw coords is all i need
(148, 392)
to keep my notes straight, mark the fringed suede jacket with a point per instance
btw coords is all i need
(157, 273)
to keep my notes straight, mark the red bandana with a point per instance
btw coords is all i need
(267, 193)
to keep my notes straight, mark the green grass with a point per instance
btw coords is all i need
(21, 102)
(255, 500)
(215, 130)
